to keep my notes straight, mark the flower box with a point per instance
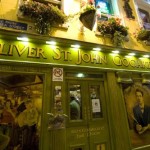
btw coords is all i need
(44, 16)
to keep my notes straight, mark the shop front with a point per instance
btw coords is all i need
(62, 98)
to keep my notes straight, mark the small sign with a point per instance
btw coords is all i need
(13, 24)
(57, 74)
(96, 105)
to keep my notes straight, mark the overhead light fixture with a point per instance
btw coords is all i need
(131, 54)
(25, 39)
(128, 56)
(146, 56)
(75, 46)
(96, 49)
(51, 42)
(80, 75)
(115, 52)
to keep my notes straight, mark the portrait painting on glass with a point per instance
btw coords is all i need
(137, 101)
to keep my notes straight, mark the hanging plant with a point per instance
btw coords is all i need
(142, 34)
(88, 15)
(118, 38)
(113, 28)
(44, 16)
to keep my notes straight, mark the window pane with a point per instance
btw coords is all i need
(100, 147)
(84, 75)
(75, 102)
(103, 6)
(95, 101)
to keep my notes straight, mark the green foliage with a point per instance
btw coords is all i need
(88, 7)
(43, 15)
(118, 38)
(143, 35)
(113, 27)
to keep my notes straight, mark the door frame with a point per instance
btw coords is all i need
(72, 124)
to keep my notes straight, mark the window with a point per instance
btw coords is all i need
(144, 15)
(143, 12)
(106, 9)
(103, 6)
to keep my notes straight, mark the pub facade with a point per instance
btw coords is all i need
(72, 87)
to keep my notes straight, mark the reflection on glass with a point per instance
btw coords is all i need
(57, 99)
(95, 101)
(100, 147)
(20, 111)
(75, 102)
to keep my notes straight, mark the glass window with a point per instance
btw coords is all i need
(75, 102)
(84, 75)
(143, 13)
(100, 147)
(95, 101)
(103, 6)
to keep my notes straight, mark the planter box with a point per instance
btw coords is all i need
(27, 19)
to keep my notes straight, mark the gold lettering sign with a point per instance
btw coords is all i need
(70, 56)
(90, 58)
(85, 132)
(135, 63)
(33, 52)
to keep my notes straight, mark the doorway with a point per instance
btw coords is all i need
(87, 126)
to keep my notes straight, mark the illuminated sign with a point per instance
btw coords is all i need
(46, 54)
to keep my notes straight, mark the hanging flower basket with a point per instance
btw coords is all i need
(88, 18)
(88, 15)
(144, 35)
(113, 27)
(44, 16)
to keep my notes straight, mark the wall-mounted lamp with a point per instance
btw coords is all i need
(115, 52)
(51, 42)
(131, 54)
(25, 39)
(75, 46)
(97, 49)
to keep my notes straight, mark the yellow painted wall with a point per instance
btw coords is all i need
(8, 10)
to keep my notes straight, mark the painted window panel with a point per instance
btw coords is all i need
(20, 111)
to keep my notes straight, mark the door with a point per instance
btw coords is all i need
(87, 126)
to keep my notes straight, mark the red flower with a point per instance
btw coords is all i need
(91, 1)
